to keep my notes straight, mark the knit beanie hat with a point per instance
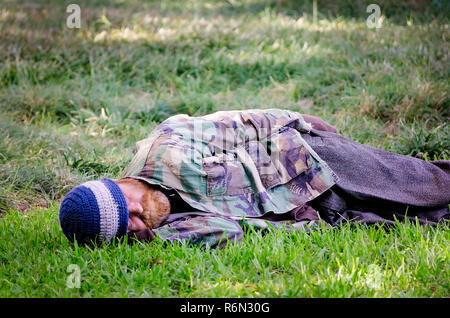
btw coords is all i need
(94, 210)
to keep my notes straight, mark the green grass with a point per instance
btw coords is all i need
(74, 102)
(407, 260)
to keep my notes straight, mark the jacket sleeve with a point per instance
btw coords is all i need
(319, 124)
(211, 230)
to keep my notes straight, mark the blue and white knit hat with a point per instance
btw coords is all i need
(94, 210)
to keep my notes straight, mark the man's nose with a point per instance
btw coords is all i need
(135, 208)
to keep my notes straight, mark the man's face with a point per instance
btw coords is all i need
(147, 207)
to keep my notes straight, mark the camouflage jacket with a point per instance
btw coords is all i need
(232, 168)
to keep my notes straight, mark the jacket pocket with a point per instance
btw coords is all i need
(260, 154)
(274, 161)
(288, 154)
(225, 175)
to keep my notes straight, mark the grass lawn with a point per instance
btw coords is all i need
(73, 102)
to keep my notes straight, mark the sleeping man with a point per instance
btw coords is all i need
(204, 179)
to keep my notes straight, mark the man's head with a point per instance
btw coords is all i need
(101, 210)
(147, 206)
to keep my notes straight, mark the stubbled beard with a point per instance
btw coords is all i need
(156, 208)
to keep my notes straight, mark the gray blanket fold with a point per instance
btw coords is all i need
(376, 185)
